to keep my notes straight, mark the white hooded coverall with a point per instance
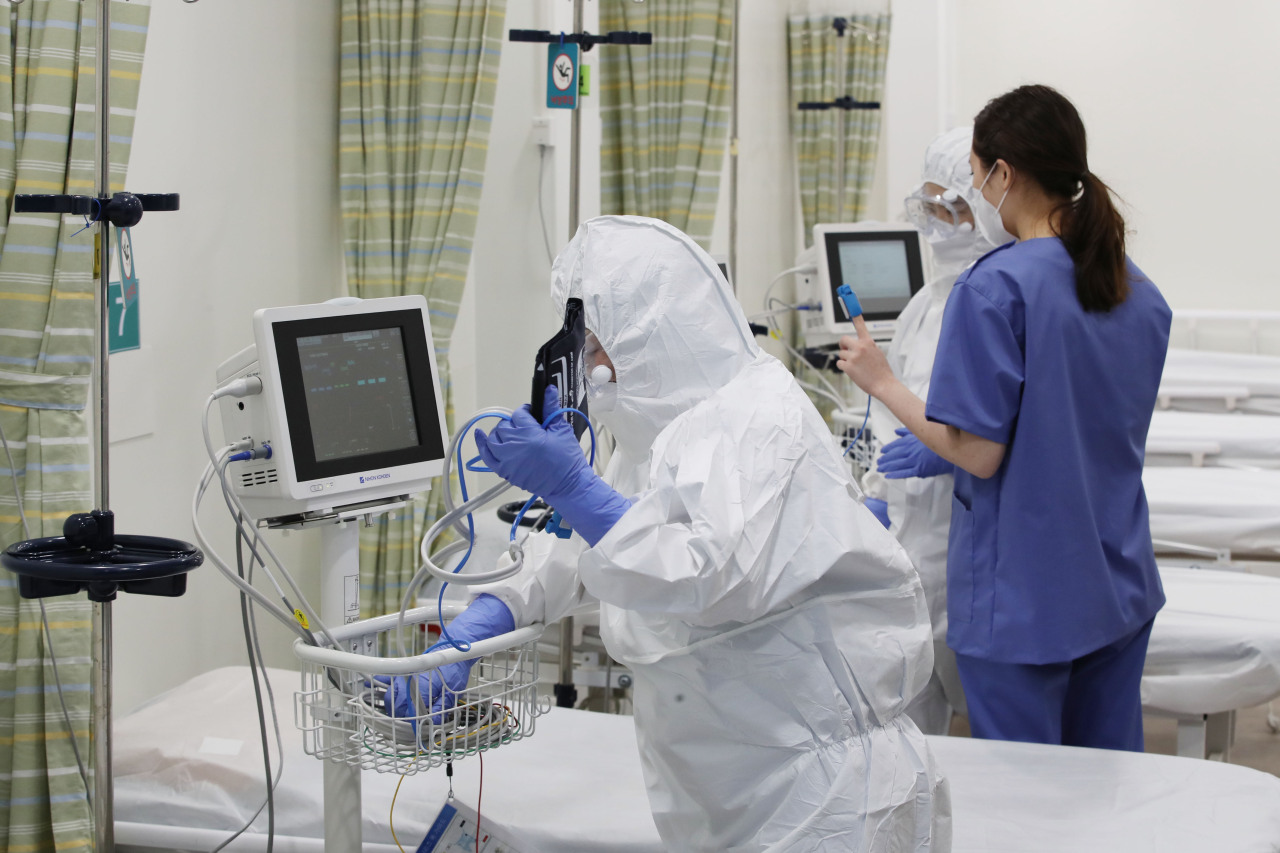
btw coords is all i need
(920, 507)
(774, 628)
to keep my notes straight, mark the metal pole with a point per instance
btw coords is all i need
(103, 187)
(575, 136)
(104, 833)
(841, 116)
(339, 597)
(103, 793)
(575, 191)
(733, 152)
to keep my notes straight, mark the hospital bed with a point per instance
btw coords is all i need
(1200, 380)
(1256, 332)
(1220, 510)
(188, 772)
(1215, 648)
(1215, 439)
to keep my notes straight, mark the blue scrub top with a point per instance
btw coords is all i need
(1051, 558)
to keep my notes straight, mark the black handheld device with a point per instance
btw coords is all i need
(559, 363)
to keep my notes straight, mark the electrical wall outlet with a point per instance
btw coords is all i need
(541, 131)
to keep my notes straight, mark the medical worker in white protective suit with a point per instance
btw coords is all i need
(774, 628)
(915, 481)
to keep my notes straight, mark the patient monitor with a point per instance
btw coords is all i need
(883, 263)
(350, 407)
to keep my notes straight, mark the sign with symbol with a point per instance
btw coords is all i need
(562, 76)
(124, 331)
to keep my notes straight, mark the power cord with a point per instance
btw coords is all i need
(255, 661)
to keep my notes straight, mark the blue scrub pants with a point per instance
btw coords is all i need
(1090, 701)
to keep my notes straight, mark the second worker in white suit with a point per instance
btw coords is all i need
(775, 630)
(960, 227)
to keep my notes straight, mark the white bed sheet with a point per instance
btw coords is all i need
(1239, 439)
(1215, 646)
(1204, 371)
(575, 786)
(1215, 508)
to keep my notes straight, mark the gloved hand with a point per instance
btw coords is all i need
(908, 457)
(549, 463)
(487, 616)
(879, 508)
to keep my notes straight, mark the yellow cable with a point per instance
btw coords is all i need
(391, 818)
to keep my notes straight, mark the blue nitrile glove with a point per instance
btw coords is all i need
(549, 463)
(908, 457)
(487, 616)
(879, 508)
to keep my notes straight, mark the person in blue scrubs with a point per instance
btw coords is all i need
(1046, 374)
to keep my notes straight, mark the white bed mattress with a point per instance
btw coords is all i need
(1193, 379)
(575, 786)
(1216, 644)
(1229, 438)
(1215, 508)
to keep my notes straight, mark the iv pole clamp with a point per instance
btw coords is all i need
(90, 555)
(584, 39)
(123, 210)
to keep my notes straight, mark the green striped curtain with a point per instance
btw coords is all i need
(47, 133)
(665, 110)
(811, 48)
(417, 90)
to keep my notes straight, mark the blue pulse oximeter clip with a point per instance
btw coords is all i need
(850, 299)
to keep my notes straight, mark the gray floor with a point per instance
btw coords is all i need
(1256, 745)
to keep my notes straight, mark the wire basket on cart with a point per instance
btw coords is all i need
(341, 708)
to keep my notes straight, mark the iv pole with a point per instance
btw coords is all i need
(565, 691)
(100, 685)
(90, 555)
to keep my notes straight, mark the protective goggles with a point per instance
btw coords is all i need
(927, 211)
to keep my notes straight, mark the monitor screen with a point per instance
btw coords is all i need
(358, 392)
(882, 267)
(358, 395)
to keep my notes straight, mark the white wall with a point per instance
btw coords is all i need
(1178, 97)
(238, 113)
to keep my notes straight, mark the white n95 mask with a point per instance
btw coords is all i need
(987, 215)
(955, 252)
(604, 399)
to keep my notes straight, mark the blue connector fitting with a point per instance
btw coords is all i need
(261, 452)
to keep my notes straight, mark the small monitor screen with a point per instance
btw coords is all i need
(358, 394)
(882, 267)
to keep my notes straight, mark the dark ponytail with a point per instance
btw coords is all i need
(1039, 133)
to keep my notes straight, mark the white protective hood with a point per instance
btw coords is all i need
(662, 312)
(946, 163)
